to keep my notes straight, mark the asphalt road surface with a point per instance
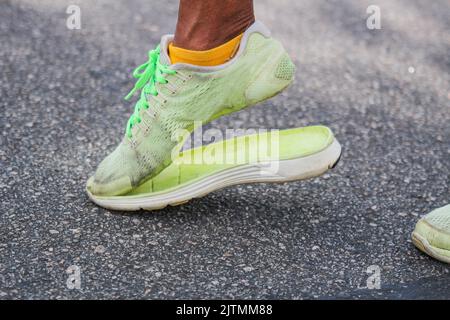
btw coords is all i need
(385, 93)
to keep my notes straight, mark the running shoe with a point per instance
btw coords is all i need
(175, 96)
(432, 234)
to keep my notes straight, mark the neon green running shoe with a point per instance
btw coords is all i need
(432, 234)
(173, 97)
(272, 156)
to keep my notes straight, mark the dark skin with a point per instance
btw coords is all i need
(206, 24)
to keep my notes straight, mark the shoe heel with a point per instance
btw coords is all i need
(272, 80)
(285, 69)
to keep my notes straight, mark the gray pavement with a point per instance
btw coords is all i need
(385, 93)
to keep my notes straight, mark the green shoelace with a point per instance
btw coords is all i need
(148, 75)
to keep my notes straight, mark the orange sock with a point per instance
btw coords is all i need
(211, 57)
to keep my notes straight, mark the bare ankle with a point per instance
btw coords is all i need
(206, 24)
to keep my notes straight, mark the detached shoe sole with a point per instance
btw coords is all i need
(281, 156)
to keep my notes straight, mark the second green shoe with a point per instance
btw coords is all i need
(432, 234)
(173, 97)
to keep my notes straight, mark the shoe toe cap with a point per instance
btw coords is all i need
(113, 187)
(435, 228)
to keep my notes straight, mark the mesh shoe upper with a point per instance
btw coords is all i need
(440, 219)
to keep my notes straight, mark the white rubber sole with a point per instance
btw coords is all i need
(423, 245)
(287, 170)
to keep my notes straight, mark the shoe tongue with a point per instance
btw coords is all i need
(164, 50)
